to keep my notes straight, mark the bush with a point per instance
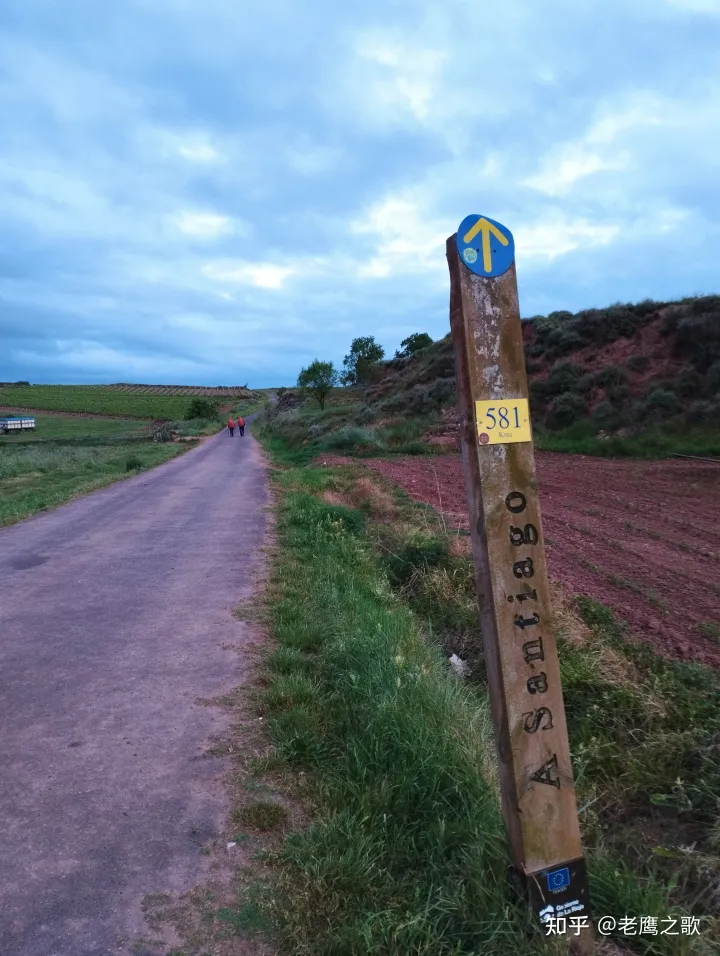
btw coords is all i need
(611, 375)
(349, 437)
(660, 404)
(538, 392)
(703, 413)
(366, 415)
(562, 341)
(608, 416)
(201, 408)
(712, 380)
(688, 384)
(566, 409)
(617, 394)
(695, 325)
(638, 363)
(586, 383)
(563, 377)
(133, 462)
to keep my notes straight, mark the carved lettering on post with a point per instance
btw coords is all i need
(547, 773)
(534, 720)
(533, 651)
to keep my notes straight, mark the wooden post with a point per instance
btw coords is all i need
(536, 781)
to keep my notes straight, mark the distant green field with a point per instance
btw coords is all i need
(95, 400)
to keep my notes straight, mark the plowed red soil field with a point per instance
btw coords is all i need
(642, 537)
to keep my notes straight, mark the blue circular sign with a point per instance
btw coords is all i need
(486, 247)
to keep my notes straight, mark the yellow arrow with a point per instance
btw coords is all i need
(485, 227)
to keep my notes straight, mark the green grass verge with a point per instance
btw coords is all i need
(406, 853)
(37, 476)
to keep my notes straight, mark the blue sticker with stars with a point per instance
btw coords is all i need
(558, 879)
(486, 247)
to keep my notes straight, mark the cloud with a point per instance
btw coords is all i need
(203, 225)
(406, 237)
(199, 153)
(264, 275)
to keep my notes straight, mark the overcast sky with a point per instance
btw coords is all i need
(219, 191)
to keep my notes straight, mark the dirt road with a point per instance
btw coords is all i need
(115, 617)
(639, 536)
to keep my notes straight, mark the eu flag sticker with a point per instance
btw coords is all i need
(558, 879)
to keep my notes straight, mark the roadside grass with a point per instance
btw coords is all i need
(306, 431)
(37, 476)
(406, 851)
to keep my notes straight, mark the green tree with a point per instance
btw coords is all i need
(318, 379)
(362, 360)
(201, 408)
(413, 343)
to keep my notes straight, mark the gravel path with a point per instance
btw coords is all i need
(115, 617)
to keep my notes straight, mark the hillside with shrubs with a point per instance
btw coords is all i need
(627, 379)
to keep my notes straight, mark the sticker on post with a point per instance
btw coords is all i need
(486, 247)
(502, 421)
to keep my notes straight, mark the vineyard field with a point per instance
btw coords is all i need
(96, 400)
(219, 391)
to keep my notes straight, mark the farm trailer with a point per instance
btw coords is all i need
(15, 423)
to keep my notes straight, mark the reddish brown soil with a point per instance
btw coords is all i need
(639, 536)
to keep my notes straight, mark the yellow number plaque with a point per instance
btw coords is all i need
(502, 421)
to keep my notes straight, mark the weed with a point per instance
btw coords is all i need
(260, 815)
(709, 629)
(133, 462)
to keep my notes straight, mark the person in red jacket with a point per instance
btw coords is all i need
(231, 426)
(241, 426)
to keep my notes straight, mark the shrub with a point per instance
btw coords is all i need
(688, 383)
(563, 377)
(712, 380)
(566, 409)
(562, 341)
(608, 416)
(133, 462)
(366, 415)
(538, 391)
(703, 413)
(617, 394)
(350, 436)
(611, 375)
(638, 363)
(586, 383)
(201, 408)
(660, 404)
